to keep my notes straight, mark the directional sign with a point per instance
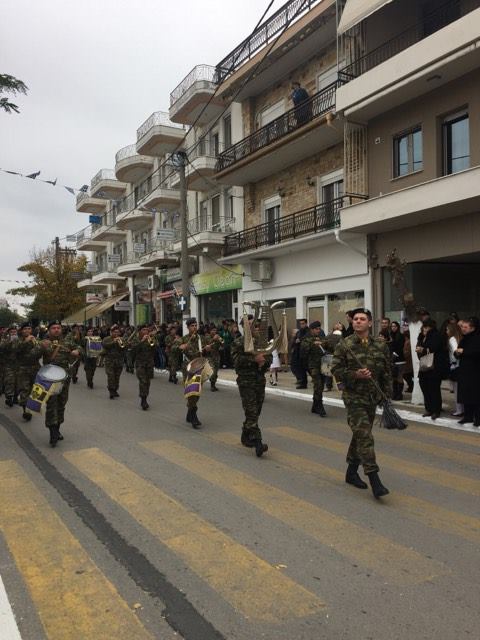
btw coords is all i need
(91, 267)
(182, 303)
(165, 234)
(113, 258)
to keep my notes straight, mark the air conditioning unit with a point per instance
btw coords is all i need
(152, 282)
(261, 270)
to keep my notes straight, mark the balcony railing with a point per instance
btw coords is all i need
(315, 107)
(158, 244)
(268, 30)
(86, 233)
(202, 72)
(126, 152)
(158, 118)
(323, 217)
(209, 147)
(432, 22)
(214, 224)
(81, 195)
(103, 174)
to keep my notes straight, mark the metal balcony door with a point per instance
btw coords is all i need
(272, 218)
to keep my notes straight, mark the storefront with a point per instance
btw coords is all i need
(217, 293)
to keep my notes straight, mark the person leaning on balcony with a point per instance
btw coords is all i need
(303, 109)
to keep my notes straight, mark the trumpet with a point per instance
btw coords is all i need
(151, 340)
(120, 342)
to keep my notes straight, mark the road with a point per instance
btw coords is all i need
(138, 527)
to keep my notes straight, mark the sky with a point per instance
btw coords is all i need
(96, 69)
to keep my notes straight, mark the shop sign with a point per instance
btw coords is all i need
(142, 313)
(90, 298)
(139, 247)
(173, 275)
(165, 234)
(123, 305)
(218, 280)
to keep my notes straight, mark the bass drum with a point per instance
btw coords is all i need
(53, 374)
(201, 367)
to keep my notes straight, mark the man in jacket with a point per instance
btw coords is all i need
(144, 347)
(299, 369)
(311, 352)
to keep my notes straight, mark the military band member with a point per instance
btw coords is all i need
(29, 352)
(113, 346)
(311, 352)
(89, 363)
(8, 353)
(360, 396)
(191, 346)
(144, 347)
(213, 347)
(61, 351)
(251, 370)
(172, 343)
(77, 339)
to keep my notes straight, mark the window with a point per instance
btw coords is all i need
(270, 113)
(227, 131)
(215, 213)
(228, 206)
(456, 143)
(215, 144)
(326, 78)
(271, 213)
(408, 152)
(330, 186)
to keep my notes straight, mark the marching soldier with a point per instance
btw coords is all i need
(3, 335)
(77, 339)
(311, 352)
(251, 370)
(29, 352)
(144, 347)
(172, 343)
(60, 351)
(9, 356)
(360, 396)
(113, 346)
(213, 347)
(191, 346)
(89, 363)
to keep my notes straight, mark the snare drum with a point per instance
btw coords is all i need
(48, 382)
(93, 346)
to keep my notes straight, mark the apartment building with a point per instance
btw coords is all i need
(411, 102)
(290, 162)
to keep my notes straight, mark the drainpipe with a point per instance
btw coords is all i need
(349, 246)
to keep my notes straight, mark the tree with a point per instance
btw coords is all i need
(8, 317)
(10, 84)
(53, 285)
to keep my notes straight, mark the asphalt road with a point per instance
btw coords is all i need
(138, 527)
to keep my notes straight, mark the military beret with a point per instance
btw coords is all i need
(191, 321)
(53, 322)
(316, 324)
(26, 325)
(366, 312)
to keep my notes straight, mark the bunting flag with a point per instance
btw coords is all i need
(34, 176)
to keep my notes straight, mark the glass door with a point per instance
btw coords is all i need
(318, 310)
(272, 217)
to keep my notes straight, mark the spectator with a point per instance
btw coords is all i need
(468, 354)
(298, 368)
(333, 339)
(349, 330)
(303, 109)
(430, 342)
(407, 356)
(385, 326)
(454, 336)
(396, 351)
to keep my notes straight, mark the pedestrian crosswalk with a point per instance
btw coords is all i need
(50, 559)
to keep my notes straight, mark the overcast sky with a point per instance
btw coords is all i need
(96, 69)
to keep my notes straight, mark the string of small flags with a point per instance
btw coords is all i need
(35, 174)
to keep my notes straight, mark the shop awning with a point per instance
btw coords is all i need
(106, 304)
(357, 10)
(79, 316)
(165, 294)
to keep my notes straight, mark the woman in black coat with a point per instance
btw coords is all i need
(468, 354)
(431, 341)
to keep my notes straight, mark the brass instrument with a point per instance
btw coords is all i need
(120, 342)
(263, 314)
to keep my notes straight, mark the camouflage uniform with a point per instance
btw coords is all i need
(76, 339)
(311, 352)
(174, 355)
(89, 364)
(2, 365)
(144, 363)
(9, 357)
(59, 353)
(114, 355)
(195, 345)
(28, 355)
(214, 357)
(360, 396)
(251, 385)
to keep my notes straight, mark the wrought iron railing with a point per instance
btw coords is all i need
(284, 17)
(207, 146)
(158, 244)
(158, 118)
(431, 23)
(103, 174)
(82, 195)
(202, 72)
(323, 217)
(215, 224)
(126, 152)
(315, 107)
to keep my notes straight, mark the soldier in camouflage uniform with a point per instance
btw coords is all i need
(9, 357)
(77, 339)
(213, 348)
(3, 336)
(360, 396)
(114, 348)
(144, 347)
(172, 342)
(191, 346)
(251, 370)
(29, 352)
(312, 348)
(60, 351)
(89, 364)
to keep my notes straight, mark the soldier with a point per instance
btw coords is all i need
(61, 351)
(144, 346)
(29, 352)
(114, 347)
(89, 362)
(360, 396)
(3, 335)
(191, 346)
(9, 356)
(311, 352)
(251, 370)
(213, 348)
(77, 339)
(172, 342)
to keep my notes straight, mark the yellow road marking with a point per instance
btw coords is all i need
(71, 595)
(422, 471)
(395, 562)
(248, 583)
(441, 452)
(423, 511)
(457, 437)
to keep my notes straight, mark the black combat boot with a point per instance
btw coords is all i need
(143, 402)
(90, 384)
(378, 489)
(260, 447)
(321, 410)
(54, 433)
(74, 379)
(175, 379)
(116, 394)
(189, 416)
(194, 419)
(112, 394)
(15, 399)
(26, 415)
(9, 401)
(60, 437)
(314, 408)
(213, 386)
(352, 477)
(246, 440)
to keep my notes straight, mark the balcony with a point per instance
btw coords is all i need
(200, 169)
(162, 196)
(131, 265)
(294, 33)
(160, 253)
(193, 97)
(105, 185)
(134, 220)
(432, 201)
(207, 233)
(88, 285)
(438, 49)
(158, 135)
(130, 166)
(295, 135)
(108, 230)
(108, 275)
(85, 241)
(278, 236)
(87, 204)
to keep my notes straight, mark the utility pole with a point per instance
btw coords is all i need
(179, 159)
